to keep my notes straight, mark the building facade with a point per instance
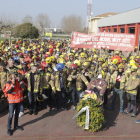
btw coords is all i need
(93, 22)
(126, 22)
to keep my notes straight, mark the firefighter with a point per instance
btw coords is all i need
(82, 57)
(107, 79)
(117, 81)
(13, 90)
(34, 88)
(131, 88)
(76, 80)
(10, 67)
(71, 60)
(98, 85)
(99, 65)
(3, 80)
(47, 84)
(60, 81)
(23, 72)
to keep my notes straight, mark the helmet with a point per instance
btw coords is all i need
(62, 56)
(84, 49)
(78, 63)
(41, 49)
(61, 60)
(34, 47)
(5, 50)
(58, 50)
(134, 68)
(15, 52)
(123, 59)
(48, 53)
(44, 65)
(60, 66)
(17, 46)
(121, 66)
(73, 67)
(53, 58)
(117, 52)
(13, 71)
(48, 60)
(31, 64)
(76, 55)
(34, 57)
(86, 64)
(58, 44)
(70, 54)
(132, 62)
(115, 61)
(18, 51)
(103, 73)
(73, 51)
(94, 50)
(40, 98)
(100, 59)
(16, 59)
(38, 46)
(132, 58)
(89, 59)
(46, 56)
(95, 56)
(105, 65)
(136, 47)
(43, 44)
(82, 54)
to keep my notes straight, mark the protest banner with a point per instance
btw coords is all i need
(104, 40)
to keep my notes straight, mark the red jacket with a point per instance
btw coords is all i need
(14, 92)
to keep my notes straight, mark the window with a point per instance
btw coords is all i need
(131, 30)
(103, 30)
(109, 30)
(115, 30)
(122, 30)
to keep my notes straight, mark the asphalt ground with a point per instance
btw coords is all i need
(59, 125)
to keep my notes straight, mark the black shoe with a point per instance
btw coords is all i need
(18, 128)
(30, 112)
(64, 108)
(9, 132)
(126, 112)
(35, 113)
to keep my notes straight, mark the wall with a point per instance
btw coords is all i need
(94, 27)
(128, 17)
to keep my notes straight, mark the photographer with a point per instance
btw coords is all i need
(13, 90)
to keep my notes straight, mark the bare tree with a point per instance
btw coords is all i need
(27, 19)
(72, 23)
(8, 22)
(42, 22)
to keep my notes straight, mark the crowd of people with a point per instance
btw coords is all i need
(33, 70)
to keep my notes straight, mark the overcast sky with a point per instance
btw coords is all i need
(56, 9)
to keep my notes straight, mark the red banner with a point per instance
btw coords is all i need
(112, 41)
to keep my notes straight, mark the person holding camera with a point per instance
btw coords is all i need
(13, 90)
